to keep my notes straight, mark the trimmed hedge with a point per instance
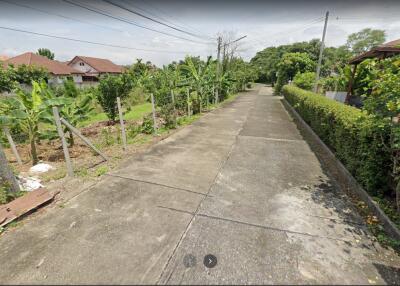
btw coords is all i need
(357, 139)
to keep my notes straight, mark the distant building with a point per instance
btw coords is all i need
(93, 68)
(58, 71)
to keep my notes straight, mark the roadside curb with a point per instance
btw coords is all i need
(339, 172)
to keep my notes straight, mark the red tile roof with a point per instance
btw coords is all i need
(101, 65)
(54, 67)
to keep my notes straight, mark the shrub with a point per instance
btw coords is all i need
(147, 125)
(168, 114)
(305, 80)
(356, 138)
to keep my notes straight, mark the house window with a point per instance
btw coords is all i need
(81, 64)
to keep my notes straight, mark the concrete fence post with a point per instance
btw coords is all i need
(121, 120)
(70, 171)
(154, 113)
(12, 144)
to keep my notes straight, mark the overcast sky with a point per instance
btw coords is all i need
(266, 23)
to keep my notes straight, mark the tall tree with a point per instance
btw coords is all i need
(365, 40)
(46, 53)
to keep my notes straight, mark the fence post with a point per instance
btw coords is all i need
(154, 113)
(12, 144)
(188, 101)
(70, 171)
(84, 139)
(121, 120)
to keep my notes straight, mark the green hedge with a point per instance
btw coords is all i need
(356, 138)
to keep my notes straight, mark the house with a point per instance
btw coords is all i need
(383, 51)
(93, 68)
(58, 71)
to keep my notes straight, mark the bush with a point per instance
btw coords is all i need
(305, 80)
(147, 125)
(356, 138)
(168, 114)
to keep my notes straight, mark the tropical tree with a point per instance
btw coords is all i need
(197, 77)
(45, 53)
(29, 110)
(365, 40)
(290, 65)
(110, 87)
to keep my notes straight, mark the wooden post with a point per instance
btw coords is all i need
(154, 113)
(84, 139)
(70, 171)
(6, 174)
(121, 120)
(12, 144)
(188, 101)
(351, 82)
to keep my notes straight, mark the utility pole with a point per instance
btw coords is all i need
(218, 68)
(321, 51)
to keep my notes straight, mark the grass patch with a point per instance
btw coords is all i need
(137, 112)
(101, 170)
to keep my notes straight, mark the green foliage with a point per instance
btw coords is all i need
(290, 65)
(29, 109)
(45, 53)
(7, 79)
(305, 80)
(356, 138)
(382, 93)
(169, 115)
(26, 74)
(337, 82)
(147, 125)
(365, 40)
(6, 196)
(111, 87)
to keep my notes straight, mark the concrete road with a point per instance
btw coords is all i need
(240, 184)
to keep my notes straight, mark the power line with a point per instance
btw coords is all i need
(151, 19)
(183, 25)
(90, 42)
(98, 11)
(58, 15)
(161, 18)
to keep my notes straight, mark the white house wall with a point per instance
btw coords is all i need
(83, 68)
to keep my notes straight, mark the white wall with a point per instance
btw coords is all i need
(82, 66)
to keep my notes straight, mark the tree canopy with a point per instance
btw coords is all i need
(365, 40)
(45, 53)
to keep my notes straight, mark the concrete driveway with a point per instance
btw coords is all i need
(240, 184)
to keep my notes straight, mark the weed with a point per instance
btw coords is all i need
(82, 172)
(54, 175)
(107, 137)
(6, 196)
(147, 125)
(101, 170)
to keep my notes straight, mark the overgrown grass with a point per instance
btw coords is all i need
(137, 112)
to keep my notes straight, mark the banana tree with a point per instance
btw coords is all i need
(28, 109)
(74, 110)
(197, 77)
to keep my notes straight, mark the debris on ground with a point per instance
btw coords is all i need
(29, 184)
(22, 205)
(40, 168)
